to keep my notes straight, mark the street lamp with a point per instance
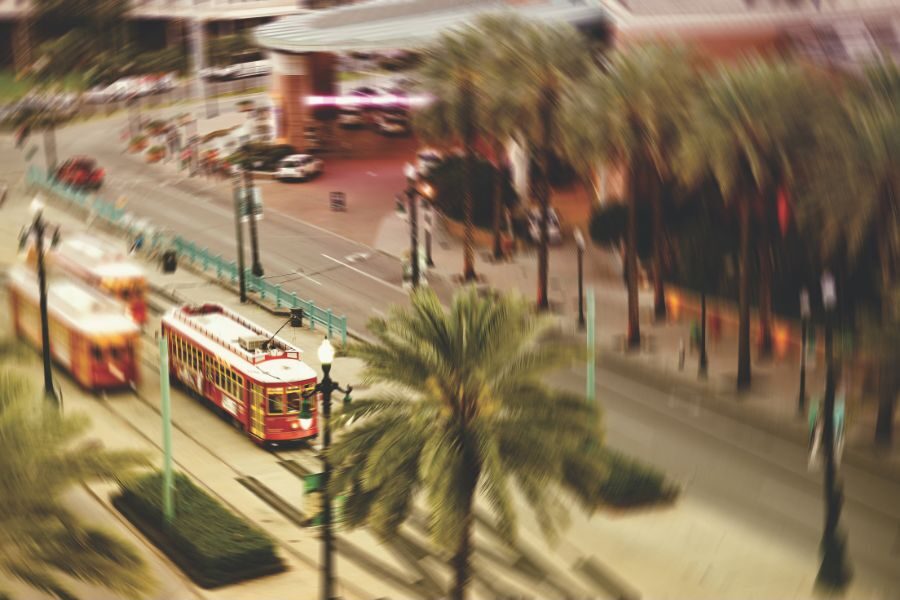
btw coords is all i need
(834, 572)
(236, 190)
(413, 199)
(325, 387)
(579, 243)
(39, 227)
(250, 199)
(804, 327)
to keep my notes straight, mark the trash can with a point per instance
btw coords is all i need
(169, 261)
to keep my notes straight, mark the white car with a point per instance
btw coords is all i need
(392, 123)
(299, 166)
(534, 226)
(350, 117)
(426, 160)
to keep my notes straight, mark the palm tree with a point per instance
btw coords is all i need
(452, 72)
(636, 110)
(465, 417)
(536, 64)
(43, 456)
(854, 195)
(751, 128)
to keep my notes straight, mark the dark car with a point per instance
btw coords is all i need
(80, 172)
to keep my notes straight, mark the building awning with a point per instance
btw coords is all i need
(395, 24)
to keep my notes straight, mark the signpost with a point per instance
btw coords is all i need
(337, 201)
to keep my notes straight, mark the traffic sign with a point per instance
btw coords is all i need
(337, 201)
(257, 203)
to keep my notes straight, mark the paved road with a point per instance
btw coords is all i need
(752, 476)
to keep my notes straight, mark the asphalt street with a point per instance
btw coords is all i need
(752, 476)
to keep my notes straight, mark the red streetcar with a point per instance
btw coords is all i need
(104, 266)
(80, 172)
(91, 335)
(255, 378)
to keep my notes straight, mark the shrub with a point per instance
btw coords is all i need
(447, 179)
(138, 143)
(631, 484)
(210, 543)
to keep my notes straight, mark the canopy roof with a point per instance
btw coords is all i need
(392, 24)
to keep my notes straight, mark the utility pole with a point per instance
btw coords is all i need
(168, 484)
(39, 229)
(239, 233)
(413, 199)
(579, 243)
(250, 195)
(804, 327)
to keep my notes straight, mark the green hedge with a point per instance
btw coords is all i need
(211, 544)
(631, 484)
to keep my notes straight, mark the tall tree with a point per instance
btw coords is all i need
(853, 195)
(536, 64)
(42, 456)
(452, 71)
(631, 116)
(466, 417)
(751, 127)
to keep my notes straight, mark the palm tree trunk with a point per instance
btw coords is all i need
(633, 339)
(499, 181)
(887, 400)
(542, 188)
(462, 573)
(704, 359)
(765, 296)
(469, 177)
(659, 291)
(743, 374)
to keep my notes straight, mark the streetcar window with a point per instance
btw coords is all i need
(275, 398)
(114, 353)
(96, 352)
(126, 294)
(293, 401)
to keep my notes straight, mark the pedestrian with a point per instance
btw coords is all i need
(695, 335)
(681, 354)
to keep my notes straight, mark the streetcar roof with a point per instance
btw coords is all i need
(218, 332)
(101, 257)
(75, 303)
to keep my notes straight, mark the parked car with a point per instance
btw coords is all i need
(534, 225)
(350, 116)
(299, 166)
(80, 172)
(426, 160)
(392, 123)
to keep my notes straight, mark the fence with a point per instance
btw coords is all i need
(196, 256)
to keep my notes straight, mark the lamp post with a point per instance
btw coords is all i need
(412, 197)
(804, 328)
(834, 572)
(250, 195)
(428, 192)
(39, 228)
(325, 387)
(239, 232)
(579, 243)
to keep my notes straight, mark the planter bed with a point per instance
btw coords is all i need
(212, 545)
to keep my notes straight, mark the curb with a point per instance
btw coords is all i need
(730, 404)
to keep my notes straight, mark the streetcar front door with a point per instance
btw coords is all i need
(257, 411)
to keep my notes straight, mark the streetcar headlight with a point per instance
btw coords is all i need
(295, 425)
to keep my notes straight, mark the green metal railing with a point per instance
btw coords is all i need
(198, 257)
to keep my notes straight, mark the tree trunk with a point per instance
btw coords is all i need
(542, 187)
(765, 296)
(499, 181)
(704, 359)
(460, 561)
(659, 292)
(469, 177)
(887, 400)
(743, 374)
(633, 339)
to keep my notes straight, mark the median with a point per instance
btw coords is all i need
(212, 545)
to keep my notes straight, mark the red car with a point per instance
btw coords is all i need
(80, 172)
